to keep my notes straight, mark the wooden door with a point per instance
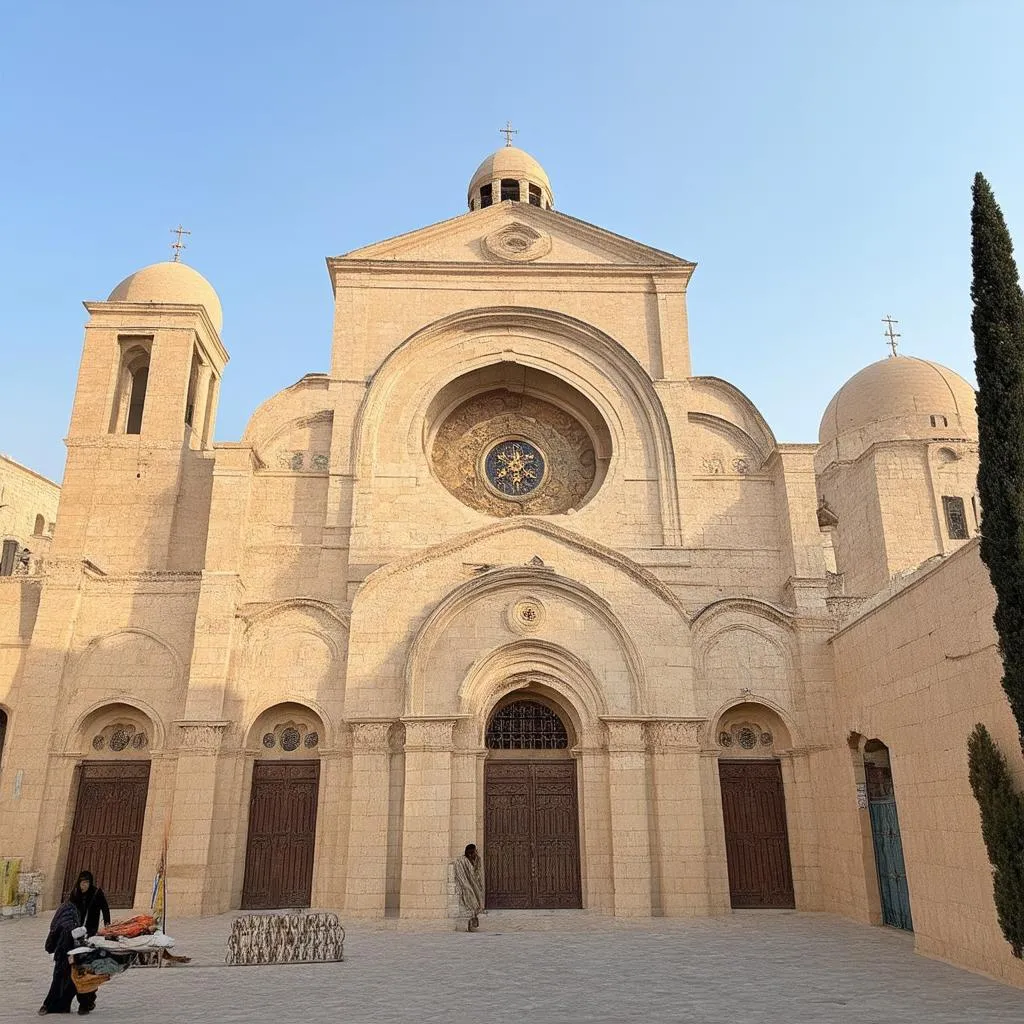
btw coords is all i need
(282, 834)
(106, 836)
(756, 838)
(885, 834)
(531, 835)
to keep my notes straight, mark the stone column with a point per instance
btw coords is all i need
(426, 843)
(193, 815)
(679, 817)
(366, 885)
(628, 795)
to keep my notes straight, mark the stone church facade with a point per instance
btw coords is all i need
(507, 573)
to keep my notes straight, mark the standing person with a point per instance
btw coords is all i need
(90, 902)
(469, 880)
(65, 930)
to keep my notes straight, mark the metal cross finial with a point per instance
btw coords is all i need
(508, 131)
(177, 245)
(890, 333)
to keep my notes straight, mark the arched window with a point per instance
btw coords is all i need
(526, 725)
(40, 528)
(509, 189)
(3, 733)
(137, 401)
(485, 196)
(535, 195)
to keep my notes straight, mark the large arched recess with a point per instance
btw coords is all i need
(390, 425)
(424, 624)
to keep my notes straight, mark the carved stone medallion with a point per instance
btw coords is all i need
(510, 454)
(518, 243)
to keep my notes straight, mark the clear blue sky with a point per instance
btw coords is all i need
(814, 158)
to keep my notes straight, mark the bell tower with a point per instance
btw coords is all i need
(139, 464)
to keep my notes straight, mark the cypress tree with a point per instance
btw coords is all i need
(998, 326)
(1002, 827)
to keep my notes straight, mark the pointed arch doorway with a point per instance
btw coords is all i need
(531, 808)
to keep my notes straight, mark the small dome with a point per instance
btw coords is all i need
(901, 397)
(170, 282)
(510, 163)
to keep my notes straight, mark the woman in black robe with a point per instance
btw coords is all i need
(90, 903)
(60, 941)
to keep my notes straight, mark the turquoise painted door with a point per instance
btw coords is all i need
(885, 831)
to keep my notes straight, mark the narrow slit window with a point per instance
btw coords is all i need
(535, 195)
(956, 518)
(137, 401)
(3, 732)
(509, 190)
(193, 384)
(939, 421)
(485, 196)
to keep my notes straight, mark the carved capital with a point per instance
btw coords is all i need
(203, 737)
(371, 737)
(675, 734)
(625, 734)
(429, 733)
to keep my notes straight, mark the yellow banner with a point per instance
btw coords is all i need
(10, 868)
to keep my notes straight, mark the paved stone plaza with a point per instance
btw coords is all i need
(759, 967)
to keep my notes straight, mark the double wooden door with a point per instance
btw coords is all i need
(531, 835)
(756, 838)
(106, 836)
(282, 834)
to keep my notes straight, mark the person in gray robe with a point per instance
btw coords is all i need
(469, 882)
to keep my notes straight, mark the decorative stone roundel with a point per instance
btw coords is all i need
(290, 736)
(507, 454)
(119, 737)
(746, 736)
(517, 243)
(526, 616)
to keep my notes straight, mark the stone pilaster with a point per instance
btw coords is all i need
(426, 845)
(366, 884)
(193, 813)
(627, 790)
(679, 816)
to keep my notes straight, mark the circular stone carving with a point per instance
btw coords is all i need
(119, 740)
(467, 449)
(139, 740)
(766, 739)
(98, 743)
(747, 739)
(290, 738)
(725, 739)
(514, 467)
(518, 243)
(269, 740)
(312, 739)
(526, 616)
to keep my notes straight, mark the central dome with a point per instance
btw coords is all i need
(510, 166)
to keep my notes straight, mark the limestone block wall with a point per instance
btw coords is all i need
(28, 505)
(917, 672)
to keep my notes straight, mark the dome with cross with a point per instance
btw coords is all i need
(170, 282)
(510, 174)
